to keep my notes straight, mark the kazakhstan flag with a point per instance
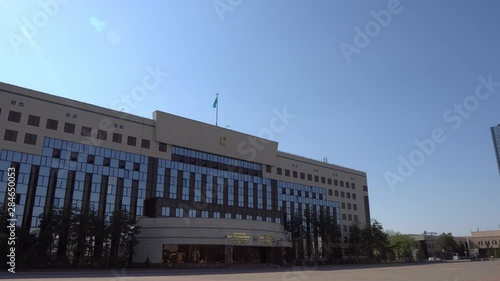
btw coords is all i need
(215, 102)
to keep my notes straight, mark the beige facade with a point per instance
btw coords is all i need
(485, 243)
(205, 231)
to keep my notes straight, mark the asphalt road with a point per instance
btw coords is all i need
(448, 271)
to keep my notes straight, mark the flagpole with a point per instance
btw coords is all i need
(217, 110)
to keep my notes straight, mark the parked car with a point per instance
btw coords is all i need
(433, 259)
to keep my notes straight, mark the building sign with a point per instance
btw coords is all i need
(240, 238)
(267, 239)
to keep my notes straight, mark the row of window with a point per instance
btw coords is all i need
(349, 217)
(179, 213)
(487, 243)
(90, 159)
(347, 228)
(317, 178)
(299, 193)
(343, 194)
(11, 135)
(70, 128)
(215, 158)
(349, 206)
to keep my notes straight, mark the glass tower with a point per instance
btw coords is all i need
(495, 133)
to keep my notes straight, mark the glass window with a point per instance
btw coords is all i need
(86, 131)
(34, 120)
(309, 177)
(287, 172)
(162, 147)
(145, 143)
(220, 191)
(117, 138)
(165, 211)
(185, 185)
(10, 135)
(335, 182)
(250, 195)
(102, 135)
(341, 183)
(52, 124)
(268, 169)
(14, 116)
(216, 215)
(69, 128)
(192, 213)
(131, 140)
(73, 156)
(279, 171)
(179, 212)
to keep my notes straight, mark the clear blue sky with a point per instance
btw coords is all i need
(265, 55)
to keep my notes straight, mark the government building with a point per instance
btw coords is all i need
(201, 193)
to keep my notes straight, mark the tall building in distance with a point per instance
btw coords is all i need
(201, 193)
(495, 133)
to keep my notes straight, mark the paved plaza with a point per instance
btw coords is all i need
(447, 271)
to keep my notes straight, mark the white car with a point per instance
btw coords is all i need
(434, 259)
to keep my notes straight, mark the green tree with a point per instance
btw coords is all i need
(65, 220)
(48, 237)
(122, 231)
(375, 242)
(328, 230)
(421, 253)
(355, 237)
(87, 235)
(294, 227)
(69, 232)
(447, 242)
(402, 245)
